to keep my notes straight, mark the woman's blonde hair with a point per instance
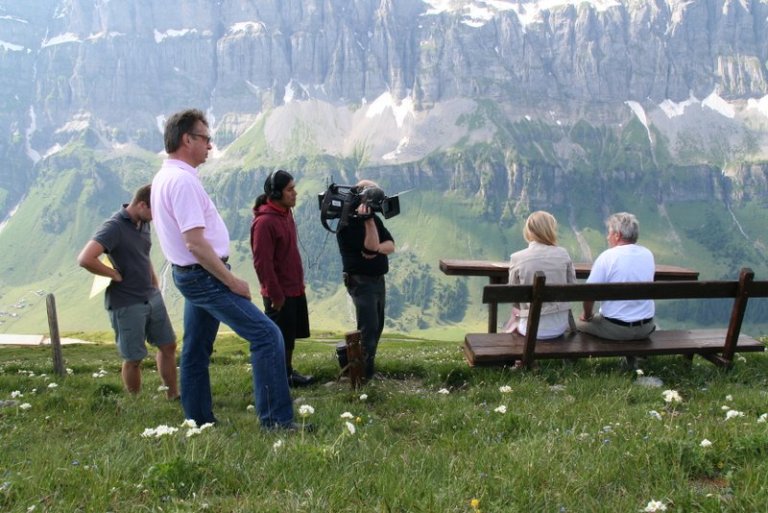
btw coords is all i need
(541, 227)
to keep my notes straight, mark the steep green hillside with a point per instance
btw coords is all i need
(467, 202)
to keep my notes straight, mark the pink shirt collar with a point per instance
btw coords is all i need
(181, 164)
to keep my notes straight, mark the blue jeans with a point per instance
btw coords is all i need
(208, 302)
(368, 294)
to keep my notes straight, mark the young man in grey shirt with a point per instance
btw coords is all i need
(133, 299)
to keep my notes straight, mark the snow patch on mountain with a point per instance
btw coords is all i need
(171, 34)
(10, 47)
(33, 155)
(67, 37)
(638, 110)
(384, 102)
(476, 13)
(719, 105)
(759, 104)
(673, 109)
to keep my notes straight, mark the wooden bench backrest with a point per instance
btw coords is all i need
(540, 293)
(631, 290)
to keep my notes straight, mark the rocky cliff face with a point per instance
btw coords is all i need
(119, 65)
(390, 81)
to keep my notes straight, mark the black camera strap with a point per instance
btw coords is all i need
(324, 213)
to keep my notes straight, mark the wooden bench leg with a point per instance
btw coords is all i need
(718, 360)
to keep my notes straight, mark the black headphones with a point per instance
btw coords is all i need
(269, 188)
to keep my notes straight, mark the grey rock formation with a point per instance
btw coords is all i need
(125, 63)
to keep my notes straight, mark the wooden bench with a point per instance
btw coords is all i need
(716, 345)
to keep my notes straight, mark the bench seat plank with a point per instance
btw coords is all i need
(504, 348)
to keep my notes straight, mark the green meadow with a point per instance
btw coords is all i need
(429, 434)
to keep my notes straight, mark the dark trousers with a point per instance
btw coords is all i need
(368, 294)
(293, 321)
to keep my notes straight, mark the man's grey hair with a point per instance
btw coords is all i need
(626, 225)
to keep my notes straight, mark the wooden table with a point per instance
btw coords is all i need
(498, 272)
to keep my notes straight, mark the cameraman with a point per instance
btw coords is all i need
(364, 244)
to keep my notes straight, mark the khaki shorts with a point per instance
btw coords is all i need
(143, 322)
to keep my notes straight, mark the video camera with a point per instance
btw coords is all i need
(341, 202)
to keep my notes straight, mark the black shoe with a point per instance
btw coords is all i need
(633, 363)
(293, 427)
(296, 380)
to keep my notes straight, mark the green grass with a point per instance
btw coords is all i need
(573, 438)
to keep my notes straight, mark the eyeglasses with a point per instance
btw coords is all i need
(206, 138)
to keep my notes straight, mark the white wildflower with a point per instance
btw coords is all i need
(729, 397)
(197, 430)
(363, 397)
(640, 372)
(654, 414)
(763, 418)
(163, 430)
(444, 391)
(25, 406)
(189, 423)
(505, 389)
(306, 410)
(277, 445)
(731, 414)
(347, 415)
(52, 385)
(350, 427)
(159, 431)
(500, 409)
(70, 371)
(162, 388)
(654, 506)
(671, 396)
(705, 443)
(250, 407)
(16, 393)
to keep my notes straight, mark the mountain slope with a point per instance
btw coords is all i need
(484, 110)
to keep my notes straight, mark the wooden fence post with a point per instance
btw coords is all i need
(53, 328)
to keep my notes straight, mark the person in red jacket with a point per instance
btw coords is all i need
(276, 259)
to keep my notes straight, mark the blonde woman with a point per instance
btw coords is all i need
(542, 254)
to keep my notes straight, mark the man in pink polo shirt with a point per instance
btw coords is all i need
(195, 240)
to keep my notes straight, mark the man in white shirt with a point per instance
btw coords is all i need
(624, 261)
(195, 240)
